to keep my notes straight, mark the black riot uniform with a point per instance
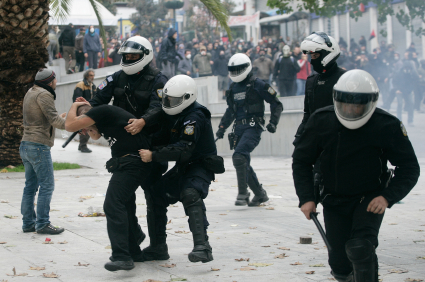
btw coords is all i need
(139, 94)
(354, 167)
(318, 93)
(245, 102)
(190, 142)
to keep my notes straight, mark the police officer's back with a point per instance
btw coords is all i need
(137, 88)
(324, 51)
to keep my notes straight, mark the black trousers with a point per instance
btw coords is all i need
(345, 219)
(80, 60)
(120, 209)
(92, 59)
(167, 191)
(287, 88)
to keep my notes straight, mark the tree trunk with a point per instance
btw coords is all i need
(23, 43)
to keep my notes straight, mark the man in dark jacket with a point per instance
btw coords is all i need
(67, 44)
(167, 55)
(185, 65)
(113, 54)
(285, 71)
(79, 49)
(220, 70)
(92, 47)
(87, 90)
(354, 141)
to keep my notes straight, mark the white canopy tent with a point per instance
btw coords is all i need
(82, 13)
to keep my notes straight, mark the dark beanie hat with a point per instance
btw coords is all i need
(45, 76)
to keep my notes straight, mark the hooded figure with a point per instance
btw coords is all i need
(167, 55)
(285, 71)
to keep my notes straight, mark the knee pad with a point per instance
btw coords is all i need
(190, 197)
(360, 250)
(238, 160)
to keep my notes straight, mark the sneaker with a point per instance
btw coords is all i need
(31, 229)
(119, 265)
(85, 150)
(50, 229)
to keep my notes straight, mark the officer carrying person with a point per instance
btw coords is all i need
(324, 51)
(354, 140)
(245, 100)
(137, 88)
(189, 141)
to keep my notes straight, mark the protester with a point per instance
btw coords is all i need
(202, 63)
(92, 47)
(220, 70)
(79, 50)
(305, 71)
(167, 56)
(40, 119)
(114, 55)
(185, 65)
(67, 43)
(263, 66)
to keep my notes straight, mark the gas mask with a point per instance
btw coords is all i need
(286, 51)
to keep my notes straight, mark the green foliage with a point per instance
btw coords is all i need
(56, 166)
(150, 19)
(332, 7)
(219, 12)
(60, 9)
(108, 4)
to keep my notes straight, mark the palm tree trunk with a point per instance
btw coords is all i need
(23, 43)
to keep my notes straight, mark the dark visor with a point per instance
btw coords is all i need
(238, 67)
(171, 102)
(136, 46)
(355, 98)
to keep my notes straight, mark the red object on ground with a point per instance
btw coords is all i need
(48, 239)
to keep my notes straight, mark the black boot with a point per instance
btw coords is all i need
(193, 204)
(342, 277)
(157, 221)
(240, 164)
(260, 195)
(362, 255)
(119, 265)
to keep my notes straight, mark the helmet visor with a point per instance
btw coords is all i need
(171, 102)
(237, 70)
(354, 106)
(133, 47)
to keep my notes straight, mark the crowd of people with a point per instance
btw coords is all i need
(279, 62)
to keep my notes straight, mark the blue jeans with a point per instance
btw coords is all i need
(301, 87)
(38, 173)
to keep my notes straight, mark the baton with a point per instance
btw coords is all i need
(70, 138)
(313, 216)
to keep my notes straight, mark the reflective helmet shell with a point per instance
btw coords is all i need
(239, 67)
(136, 45)
(179, 93)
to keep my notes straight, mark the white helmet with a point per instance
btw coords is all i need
(286, 51)
(239, 67)
(179, 93)
(320, 42)
(355, 97)
(136, 45)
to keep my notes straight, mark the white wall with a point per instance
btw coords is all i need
(277, 144)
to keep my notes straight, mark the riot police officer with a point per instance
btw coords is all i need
(187, 131)
(245, 100)
(324, 51)
(354, 141)
(137, 88)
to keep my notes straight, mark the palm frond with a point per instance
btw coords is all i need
(219, 13)
(60, 9)
(101, 28)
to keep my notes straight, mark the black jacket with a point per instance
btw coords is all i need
(168, 51)
(286, 68)
(67, 37)
(83, 89)
(354, 162)
(220, 66)
(318, 93)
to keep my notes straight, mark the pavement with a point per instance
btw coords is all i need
(249, 243)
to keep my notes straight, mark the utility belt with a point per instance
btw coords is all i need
(234, 139)
(251, 121)
(117, 163)
(212, 163)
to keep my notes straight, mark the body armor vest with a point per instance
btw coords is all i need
(253, 104)
(135, 99)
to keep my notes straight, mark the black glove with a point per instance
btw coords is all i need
(220, 133)
(271, 127)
